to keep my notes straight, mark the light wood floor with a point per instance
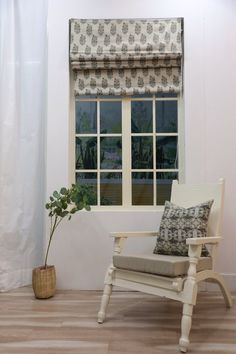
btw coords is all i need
(136, 323)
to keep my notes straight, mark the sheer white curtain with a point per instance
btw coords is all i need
(23, 43)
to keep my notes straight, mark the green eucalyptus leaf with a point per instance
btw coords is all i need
(58, 204)
(80, 206)
(73, 210)
(58, 211)
(56, 194)
(64, 205)
(63, 191)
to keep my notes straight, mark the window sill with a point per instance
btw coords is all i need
(159, 208)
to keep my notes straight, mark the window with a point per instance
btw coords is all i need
(127, 133)
(128, 148)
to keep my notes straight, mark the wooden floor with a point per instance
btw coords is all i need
(136, 323)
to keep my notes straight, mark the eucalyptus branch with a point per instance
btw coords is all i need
(50, 240)
(65, 204)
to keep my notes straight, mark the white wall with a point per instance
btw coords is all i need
(81, 249)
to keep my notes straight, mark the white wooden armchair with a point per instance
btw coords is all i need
(194, 268)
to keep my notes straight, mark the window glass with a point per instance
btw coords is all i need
(166, 116)
(141, 116)
(142, 188)
(166, 94)
(110, 153)
(86, 117)
(86, 153)
(142, 152)
(166, 152)
(163, 184)
(89, 179)
(111, 188)
(110, 117)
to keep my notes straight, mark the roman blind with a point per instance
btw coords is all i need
(126, 56)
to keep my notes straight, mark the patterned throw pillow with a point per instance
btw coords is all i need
(178, 224)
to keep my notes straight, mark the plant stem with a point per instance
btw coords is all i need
(52, 230)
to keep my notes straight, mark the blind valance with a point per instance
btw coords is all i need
(122, 57)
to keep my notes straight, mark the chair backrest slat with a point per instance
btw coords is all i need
(187, 195)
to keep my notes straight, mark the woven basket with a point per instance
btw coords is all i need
(44, 282)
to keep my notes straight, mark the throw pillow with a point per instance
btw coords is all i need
(178, 224)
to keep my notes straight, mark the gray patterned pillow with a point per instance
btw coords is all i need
(178, 224)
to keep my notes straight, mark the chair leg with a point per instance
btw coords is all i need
(106, 296)
(185, 327)
(224, 289)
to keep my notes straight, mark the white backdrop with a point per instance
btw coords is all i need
(23, 43)
(81, 250)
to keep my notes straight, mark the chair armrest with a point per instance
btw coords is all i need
(133, 234)
(203, 240)
(121, 237)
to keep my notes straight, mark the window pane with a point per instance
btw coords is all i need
(166, 152)
(86, 153)
(142, 188)
(141, 116)
(86, 117)
(110, 117)
(89, 179)
(142, 152)
(166, 94)
(164, 182)
(144, 95)
(111, 188)
(111, 155)
(166, 116)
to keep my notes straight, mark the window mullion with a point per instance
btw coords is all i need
(72, 139)
(126, 153)
(154, 151)
(181, 149)
(98, 155)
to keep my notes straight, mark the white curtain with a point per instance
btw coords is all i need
(23, 50)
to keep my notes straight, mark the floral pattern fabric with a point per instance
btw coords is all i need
(126, 56)
(178, 224)
(126, 82)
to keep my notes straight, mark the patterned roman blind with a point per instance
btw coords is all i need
(126, 57)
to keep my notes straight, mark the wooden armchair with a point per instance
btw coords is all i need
(173, 277)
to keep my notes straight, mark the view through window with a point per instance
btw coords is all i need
(128, 148)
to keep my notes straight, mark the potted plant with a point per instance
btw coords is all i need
(61, 205)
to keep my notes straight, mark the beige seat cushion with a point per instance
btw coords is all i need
(170, 266)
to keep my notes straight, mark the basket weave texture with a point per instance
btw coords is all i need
(44, 282)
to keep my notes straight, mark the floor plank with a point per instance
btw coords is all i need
(136, 323)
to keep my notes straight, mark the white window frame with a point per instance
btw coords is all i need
(126, 148)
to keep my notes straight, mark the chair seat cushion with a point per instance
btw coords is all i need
(170, 266)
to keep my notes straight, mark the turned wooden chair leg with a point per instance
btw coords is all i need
(104, 303)
(106, 295)
(185, 327)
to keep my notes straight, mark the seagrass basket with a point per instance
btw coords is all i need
(44, 282)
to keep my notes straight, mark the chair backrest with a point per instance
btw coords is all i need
(187, 195)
